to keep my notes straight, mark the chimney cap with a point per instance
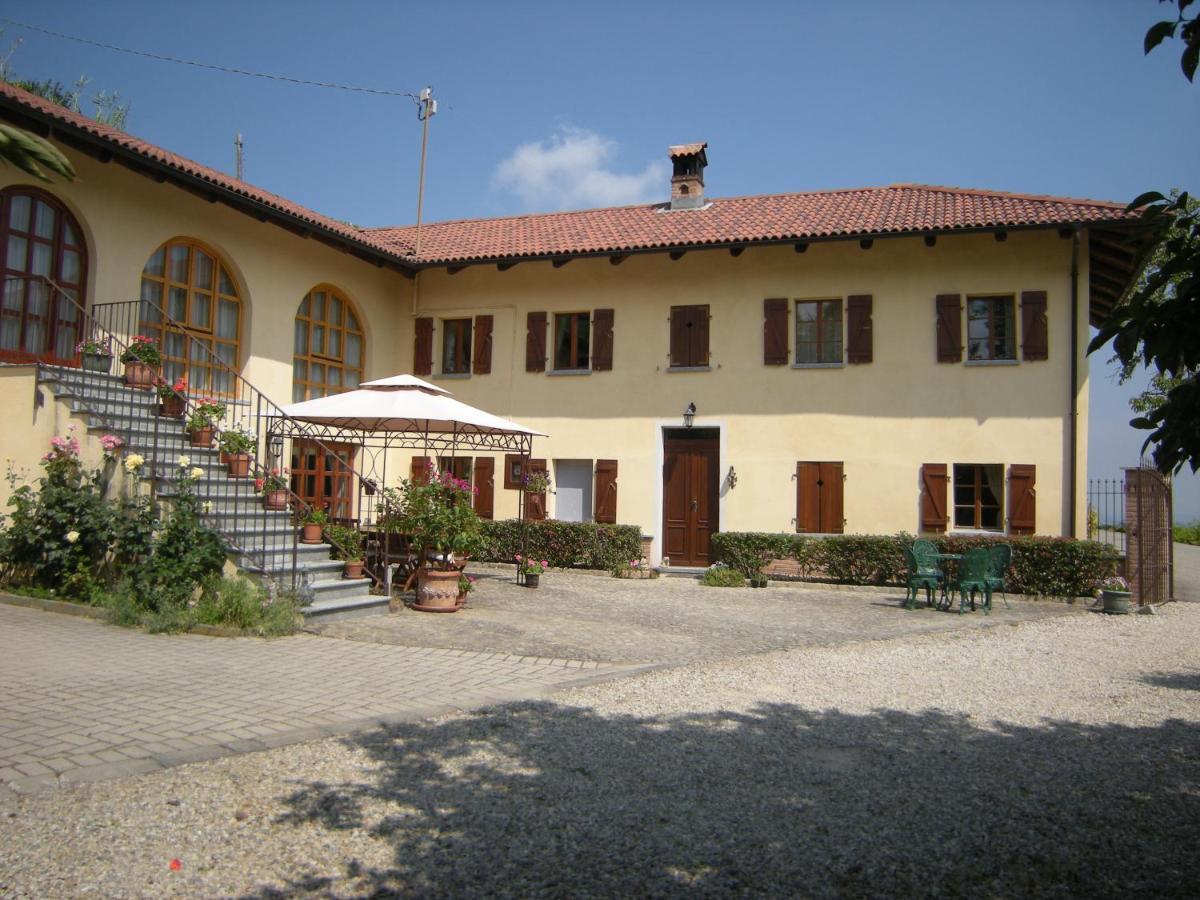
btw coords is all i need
(687, 149)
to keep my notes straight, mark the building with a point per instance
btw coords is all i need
(874, 360)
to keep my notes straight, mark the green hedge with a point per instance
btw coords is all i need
(1058, 567)
(566, 545)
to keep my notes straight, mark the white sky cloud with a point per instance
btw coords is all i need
(573, 169)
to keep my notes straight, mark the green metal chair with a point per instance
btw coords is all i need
(920, 576)
(971, 577)
(1000, 556)
(926, 553)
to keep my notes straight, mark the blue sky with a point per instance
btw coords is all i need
(557, 104)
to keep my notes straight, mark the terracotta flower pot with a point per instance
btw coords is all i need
(437, 591)
(201, 437)
(224, 457)
(171, 406)
(310, 533)
(275, 500)
(239, 465)
(353, 568)
(532, 579)
(95, 362)
(139, 376)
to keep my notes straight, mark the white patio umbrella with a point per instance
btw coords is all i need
(402, 403)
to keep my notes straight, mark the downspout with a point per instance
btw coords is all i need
(1074, 426)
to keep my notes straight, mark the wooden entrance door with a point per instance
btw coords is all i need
(323, 476)
(690, 486)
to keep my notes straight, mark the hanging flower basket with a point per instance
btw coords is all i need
(97, 362)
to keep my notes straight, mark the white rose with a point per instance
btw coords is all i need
(72, 537)
(184, 462)
(197, 472)
(207, 506)
(133, 462)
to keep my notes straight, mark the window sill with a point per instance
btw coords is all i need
(451, 376)
(991, 362)
(974, 532)
(832, 365)
(569, 372)
(689, 369)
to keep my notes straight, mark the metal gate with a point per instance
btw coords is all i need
(1149, 555)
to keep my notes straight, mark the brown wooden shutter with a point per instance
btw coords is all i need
(423, 347)
(679, 336)
(1035, 343)
(422, 468)
(535, 504)
(535, 342)
(1022, 499)
(482, 364)
(485, 486)
(808, 497)
(949, 328)
(602, 340)
(775, 332)
(859, 343)
(832, 515)
(605, 501)
(933, 497)
(700, 336)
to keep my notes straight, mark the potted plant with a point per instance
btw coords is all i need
(96, 353)
(466, 584)
(141, 359)
(439, 515)
(312, 525)
(1114, 591)
(532, 569)
(347, 545)
(172, 398)
(203, 421)
(237, 444)
(274, 488)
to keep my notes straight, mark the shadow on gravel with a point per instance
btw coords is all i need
(552, 800)
(1183, 681)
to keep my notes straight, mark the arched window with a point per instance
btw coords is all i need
(40, 238)
(327, 357)
(194, 287)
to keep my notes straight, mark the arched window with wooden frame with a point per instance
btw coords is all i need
(327, 358)
(328, 355)
(195, 288)
(41, 240)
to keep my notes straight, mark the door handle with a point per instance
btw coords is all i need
(695, 504)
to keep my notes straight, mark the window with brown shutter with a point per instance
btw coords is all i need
(859, 341)
(423, 347)
(456, 346)
(572, 341)
(535, 342)
(819, 498)
(819, 332)
(485, 486)
(933, 497)
(605, 500)
(949, 328)
(689, 337)
(1035, 344)
(1022, 499)
(978, 494)
(482, 363)
(535, 504)
(602, 340)
(514, 471)
(775, 332)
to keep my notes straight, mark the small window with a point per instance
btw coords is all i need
(572, 337)
(514, 471)
(456, 346)
(818, 332)
(977, 497)
(458, 466)
(991, 332)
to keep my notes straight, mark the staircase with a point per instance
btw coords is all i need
(260, 541)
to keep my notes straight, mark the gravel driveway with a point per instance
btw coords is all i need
(1054, 758)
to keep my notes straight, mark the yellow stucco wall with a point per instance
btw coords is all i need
(882, 419)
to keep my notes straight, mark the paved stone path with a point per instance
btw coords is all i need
(84, 701)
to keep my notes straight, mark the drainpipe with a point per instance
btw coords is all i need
(1074, 427)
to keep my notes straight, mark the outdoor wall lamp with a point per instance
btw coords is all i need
(731, 478)
(275, 446)
(688, 415)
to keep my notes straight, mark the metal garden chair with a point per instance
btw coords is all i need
(971, 577)
(1000, 556)
(920, 576)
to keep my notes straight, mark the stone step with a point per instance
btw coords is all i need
(328, 610)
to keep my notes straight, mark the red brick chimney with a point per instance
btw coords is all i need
(687, 179)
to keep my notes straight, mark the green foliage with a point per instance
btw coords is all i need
(314, 515)
(242, 604)
(1188, 534)
(33, 155)
(346, 541)
(234, 440)
(438, 513)
(143, 350)
(1058, 567)
(565, 545)
(722, 576)
(205, 414)
(1183, 27)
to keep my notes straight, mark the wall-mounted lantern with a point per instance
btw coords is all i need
(731, 478)
(275, 447)
(689, 415)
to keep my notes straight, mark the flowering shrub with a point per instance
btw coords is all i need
(111, 443)
(238, 439)
(206, 413)
(438, 514)
(143, 350)
(1113, 583)
(166, 389)
(466, 583)
(276, 480)
(94, 347)
(531, 566)
(536, 481)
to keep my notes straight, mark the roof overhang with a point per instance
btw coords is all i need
(1114, 260)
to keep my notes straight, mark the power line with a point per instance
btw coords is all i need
(199, 65)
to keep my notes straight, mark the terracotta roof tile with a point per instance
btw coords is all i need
(686, 149)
